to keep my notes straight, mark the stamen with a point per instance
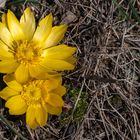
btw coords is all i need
(32, 93)
(27, 53)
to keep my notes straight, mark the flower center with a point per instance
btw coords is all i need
(27, 52)
(32, 92)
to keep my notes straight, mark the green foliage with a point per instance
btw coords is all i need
(122, 14)
(127, 11)
(75, 114)
(135, 14)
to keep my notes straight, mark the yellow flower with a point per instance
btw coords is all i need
(29, 51)
(36, 98)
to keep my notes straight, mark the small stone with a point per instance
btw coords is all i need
(68, 18)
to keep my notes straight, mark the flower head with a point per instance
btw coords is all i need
(36, 98)
(29, 51)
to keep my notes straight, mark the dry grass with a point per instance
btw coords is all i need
(108, 70)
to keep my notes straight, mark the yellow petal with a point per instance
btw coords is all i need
(14, 26)
(45, 76)
(40, 72)
(36, 70)
(27, 23)
(61, 90)
(51, 84)
(4, 52)
(43, 29)
(41, 115)
(54, 100)
(5, 35)
(16, 105)
(72, 60)
(31, 118)
(8, 66)
(4, 19)
(56, 35)
(59, 80)
(59, 52)
(7, 92)
(12, 83)
(22, 73)
(58, 65)
(53, 110)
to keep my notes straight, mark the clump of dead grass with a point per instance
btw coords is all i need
(107, 71)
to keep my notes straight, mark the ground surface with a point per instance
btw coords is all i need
(103, 98)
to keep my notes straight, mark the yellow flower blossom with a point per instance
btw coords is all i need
(29, 51)
(36, 98)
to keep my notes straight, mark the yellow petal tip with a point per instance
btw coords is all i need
(10, 12)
